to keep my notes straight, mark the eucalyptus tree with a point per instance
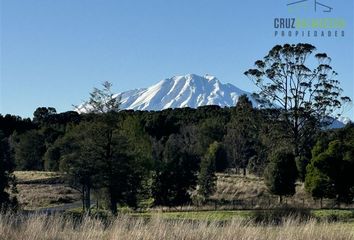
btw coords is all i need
(291, 77)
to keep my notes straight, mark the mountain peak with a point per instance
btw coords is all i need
(189, 90)
(210, 77)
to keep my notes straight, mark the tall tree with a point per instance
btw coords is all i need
(42, 113)
(125, 163)
(285, 79)
(29, 150)
(271, 135)
(317, 181)
(207, 177)
(241, 136)
(139, 151)
(111, 154)
(78, 159)
(95, 156)
(280, 174)
(101, 101)
(89, 144)
(175, 174)
(97, 146)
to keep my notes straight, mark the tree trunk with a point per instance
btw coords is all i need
(88, 198)
(244, 171)
(280, 199)
(83, 198)
(113, 204)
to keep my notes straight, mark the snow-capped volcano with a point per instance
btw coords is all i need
(183, 91)
(188, 91)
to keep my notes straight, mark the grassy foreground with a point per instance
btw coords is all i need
(39, 227)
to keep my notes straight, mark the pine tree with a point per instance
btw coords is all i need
(207, 177)
(110, 156)
(317, 182)
(280, 174)
(241, 136)
(79, 159)
(101, 101)
(29, 151)
(139, 151)
(329, 174)
(176, 174)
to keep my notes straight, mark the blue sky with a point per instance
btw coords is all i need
(54, 52)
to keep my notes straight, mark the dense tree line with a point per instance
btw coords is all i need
(9, 125)
(162, 152)
(165, 155)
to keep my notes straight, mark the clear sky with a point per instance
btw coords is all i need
(54, 52)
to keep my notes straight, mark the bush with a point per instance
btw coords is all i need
(278, 215)
(334, 215)
(78, 216)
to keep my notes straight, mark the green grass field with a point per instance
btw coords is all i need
(224, 215)
(198, 215)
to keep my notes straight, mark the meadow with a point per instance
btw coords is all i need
(39, 189)
(228, 221)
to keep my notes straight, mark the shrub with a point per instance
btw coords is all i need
(278, 215)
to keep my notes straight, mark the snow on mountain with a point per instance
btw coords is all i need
(340, 122)
(183, 91)
(344, 120)
(189, 91)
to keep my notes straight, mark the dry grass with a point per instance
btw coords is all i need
(37, 189)
(34, 196)
(27, 176)
(127, 228)
(252, 193)
(232, 186)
